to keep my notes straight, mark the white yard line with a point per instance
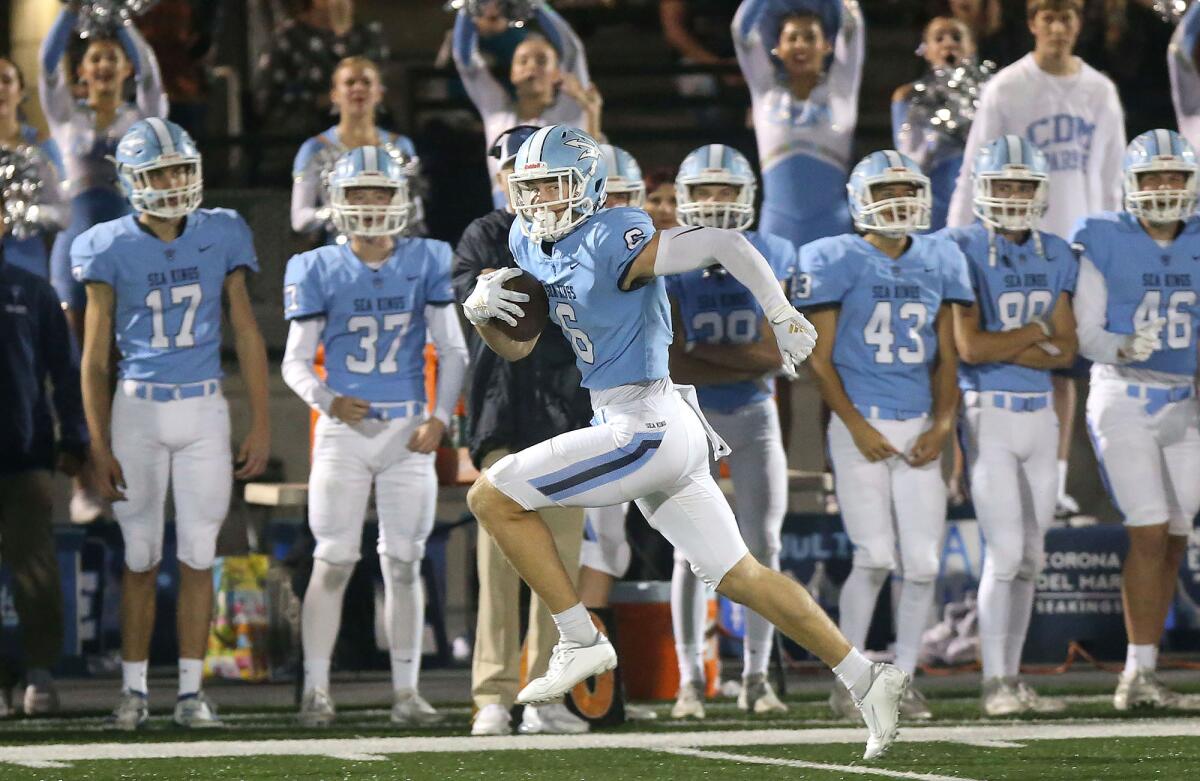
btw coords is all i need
(363, 747)
(859, 770)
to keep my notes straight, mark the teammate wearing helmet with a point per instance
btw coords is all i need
(602, 272)
(369, 303)
(156, 279)
(1136, 305)
(724, 346)
(886, 365)
(626, 187)
(1020, 328)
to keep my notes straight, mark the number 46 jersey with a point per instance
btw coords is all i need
(374, 334)
(167, 312)
(886, 340)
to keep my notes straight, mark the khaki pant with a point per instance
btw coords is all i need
(27, 547)
(496, 667)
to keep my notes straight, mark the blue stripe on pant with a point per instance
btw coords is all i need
(598, 470)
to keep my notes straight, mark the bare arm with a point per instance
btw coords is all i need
(97, 387)
(977, 345)
(1065, 339)
(672, 14)
(759, 357)
(252, 361)
(944, 385)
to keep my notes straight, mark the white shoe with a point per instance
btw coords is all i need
(84, 507)
(999, 698)
(493, 719)
(551, 719)
(196, 711)
(757, 696)
(570, 663)
(640, 713)
(316, 709)
(914, 706)
(880, 707)
(40, 700)
(132, 711)
(1032, 701)
(842, 703)
(689, 703)
(411, 708)
(1143, 689)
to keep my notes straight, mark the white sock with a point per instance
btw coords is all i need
(916, 605)
(133, 676)
(321, 617)
(575, 624)
(316, 674)
(855, 673)
(856, 604)
(688, 614)
(1062, 477)
(1020, 611)
(190, 672)
(995, 604)
(404, 617)
(1141, 657)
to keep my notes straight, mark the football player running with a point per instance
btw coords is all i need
(602, 271)
(1136, 305)
(725, 347)
(155, 279)
(369, 303)
(1020, 328)
(886, 366)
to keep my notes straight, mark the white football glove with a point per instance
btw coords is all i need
(490, 300)
(794, 335)
(1142, 343)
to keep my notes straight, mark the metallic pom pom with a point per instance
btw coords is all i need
(21, 188)
(1171, 11)
(101, 18)
(945, 99)
(518, 12)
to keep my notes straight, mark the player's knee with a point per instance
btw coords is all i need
(874, 557)
(1005, 564)
(739, 581)
(198, 554)
(331, 576)
(1149, 541)
(403, 550)
(142, 555)
(483, 500)
(337, 552)
(402, 572)
(922, 569)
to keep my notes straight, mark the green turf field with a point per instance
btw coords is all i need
(1090, 742)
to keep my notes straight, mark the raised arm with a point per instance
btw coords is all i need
(571, 54)
(1185, 80)
(151, 96)
(53, 211)
(54, 88)
(482, 88)
(849, 51)
(752, 51)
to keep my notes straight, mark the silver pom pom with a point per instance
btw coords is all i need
(1171, 11)
(101, 18)
(945, 99)
(21, 189)
(518, 12)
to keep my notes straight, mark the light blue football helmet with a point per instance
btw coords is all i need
(558, 182)
(148, 146)
(375, 167)
(624, 175)
(1154, 151)
(1010, 158)
(896, 216)
(715, 164)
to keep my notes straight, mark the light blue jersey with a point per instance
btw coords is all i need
(717, 309)
(374, 334)
(886, 340)
(1146, 282)
(167, 314)
(1023, 284)
(618, 337)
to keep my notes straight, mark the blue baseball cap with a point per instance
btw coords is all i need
(505, 147)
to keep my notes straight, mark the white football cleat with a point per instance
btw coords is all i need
(999, 698)
(880, 708)
(640, 712)
(493, 719)
(196, 711)
(551, 719)
(1032, 701)
(1143, 689)
(411, 708)
(316, 709)
(132, 711)
(570, 663)
(842, 704)
(757, 696)
(40, 700)
(689, 702)
(914, 706)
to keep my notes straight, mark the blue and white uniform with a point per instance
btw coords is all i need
(1185, 78)
(803, 145)
(170, 420)
(1142, 416)
(90, 178)
(30, 252)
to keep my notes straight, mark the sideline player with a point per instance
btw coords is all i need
(886, 366)
(1136, 305)
(725, 347)
(369, 303)
(1020, 328)
(155, 279)
(650, 444)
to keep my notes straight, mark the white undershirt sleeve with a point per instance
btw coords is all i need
(1090, 304)
(297, 368)
(687, 249)
(447, 336)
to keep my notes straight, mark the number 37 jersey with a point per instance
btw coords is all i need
(374, 333)
(886, 340)
(167, 309)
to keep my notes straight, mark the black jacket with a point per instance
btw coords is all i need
(513, 405)
(35, 345)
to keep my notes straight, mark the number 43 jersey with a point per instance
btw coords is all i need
(1145, 282)
(167, 310)
(886, 340)
(1013, 284)
(374, 335)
